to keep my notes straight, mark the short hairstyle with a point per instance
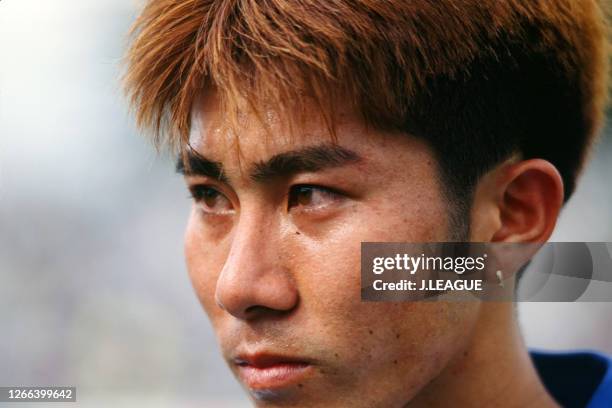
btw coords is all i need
(478, 80)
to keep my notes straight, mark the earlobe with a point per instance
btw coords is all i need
(530, 197)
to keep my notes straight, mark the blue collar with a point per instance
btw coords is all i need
(576, 379)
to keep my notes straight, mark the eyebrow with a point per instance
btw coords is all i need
(194, 164)
(307, 159)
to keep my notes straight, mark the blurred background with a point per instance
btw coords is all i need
(93, 289)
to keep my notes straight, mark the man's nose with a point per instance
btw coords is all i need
(253, 281)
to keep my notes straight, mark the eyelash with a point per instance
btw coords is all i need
(292, 200)
(198, 194)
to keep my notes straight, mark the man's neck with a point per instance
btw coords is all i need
(494, 370)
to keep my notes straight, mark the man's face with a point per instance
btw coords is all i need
(273, 251)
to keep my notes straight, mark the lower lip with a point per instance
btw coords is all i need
(275, 376)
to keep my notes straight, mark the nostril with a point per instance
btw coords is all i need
(258, 311)
(253, 309)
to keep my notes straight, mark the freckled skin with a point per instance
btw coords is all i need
(299, 270)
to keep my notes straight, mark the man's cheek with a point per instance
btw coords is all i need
(411, 339)
(329, 283)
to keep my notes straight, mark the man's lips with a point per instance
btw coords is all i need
(267, 371)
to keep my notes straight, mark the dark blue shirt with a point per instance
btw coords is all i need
(576, 379)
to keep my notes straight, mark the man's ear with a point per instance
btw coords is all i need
(517, 202)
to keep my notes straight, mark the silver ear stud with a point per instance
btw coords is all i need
(500, 278)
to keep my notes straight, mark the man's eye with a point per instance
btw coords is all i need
(311, 197)
(210, 200)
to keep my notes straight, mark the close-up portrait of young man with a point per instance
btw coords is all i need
(306, 203)
(305, 128)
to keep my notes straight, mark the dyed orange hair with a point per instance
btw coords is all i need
(478, 79)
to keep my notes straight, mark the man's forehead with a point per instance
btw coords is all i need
(211, 133)
(260, 136)
(260, 157)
